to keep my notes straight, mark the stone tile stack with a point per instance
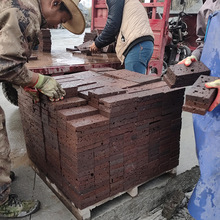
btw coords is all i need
(46, 40)
(115, 130)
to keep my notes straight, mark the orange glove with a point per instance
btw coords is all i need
(214, 84)
(188, 60)
(33, 92)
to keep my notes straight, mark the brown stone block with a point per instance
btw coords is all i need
(105, 92)
(66, 83)
(77, 112)
(80, 200)
(118, 100)
(116, 145)
(101, 173)
(179, 75)
(63, 104)
(130, 181)
(53, 174)
(116, 187)
(70, 89)
(122, 129)
(82, 184)
(153, 94)
(147, 87)
(116, 170)
(123, 84)
(89, 87)
(198, 97)
(123, 119)
(85, 140)
(116, 111)
(133, 76)
(102, 192)
(101, 154)
(78, 162)
(130, 167)
(87, 123)
(85, 75)
(117, 160)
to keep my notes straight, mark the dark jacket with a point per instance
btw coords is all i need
(113, 24)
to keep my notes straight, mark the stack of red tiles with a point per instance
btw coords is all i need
(113, 131)
(46, 40)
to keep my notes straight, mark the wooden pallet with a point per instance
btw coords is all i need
(85, 214)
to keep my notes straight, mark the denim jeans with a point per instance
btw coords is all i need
(138, 57)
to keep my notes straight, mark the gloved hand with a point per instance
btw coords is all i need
(214, 84)
(50, 87)
(33, 92)
(188, 60)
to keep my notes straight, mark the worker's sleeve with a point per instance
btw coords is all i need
(113, 23)
(14, 48)
(202, 20)
(198, 51)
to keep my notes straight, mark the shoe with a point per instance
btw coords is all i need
(16, 208)
(12, 176)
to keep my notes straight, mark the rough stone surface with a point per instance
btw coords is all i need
(179, 75)
(198, 97)
(150, 201)
(172, 203)
(108, 140)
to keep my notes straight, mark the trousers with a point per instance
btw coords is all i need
(139, 56)
(5, 162)
(204, 203)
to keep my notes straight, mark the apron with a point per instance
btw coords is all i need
(204, 203)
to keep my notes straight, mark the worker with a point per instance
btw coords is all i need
(204, 203)
(207, 8)
(128, 20)
(20, 26)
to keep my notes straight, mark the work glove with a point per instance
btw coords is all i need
(188, 60)
(50, 87)
(214, 84)
(34, 93)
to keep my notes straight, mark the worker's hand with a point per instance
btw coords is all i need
(93, 48)
(50, 87)
(188, 60)
(33, 92)
(214, 84)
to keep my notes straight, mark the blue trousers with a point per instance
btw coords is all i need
(139, 56)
